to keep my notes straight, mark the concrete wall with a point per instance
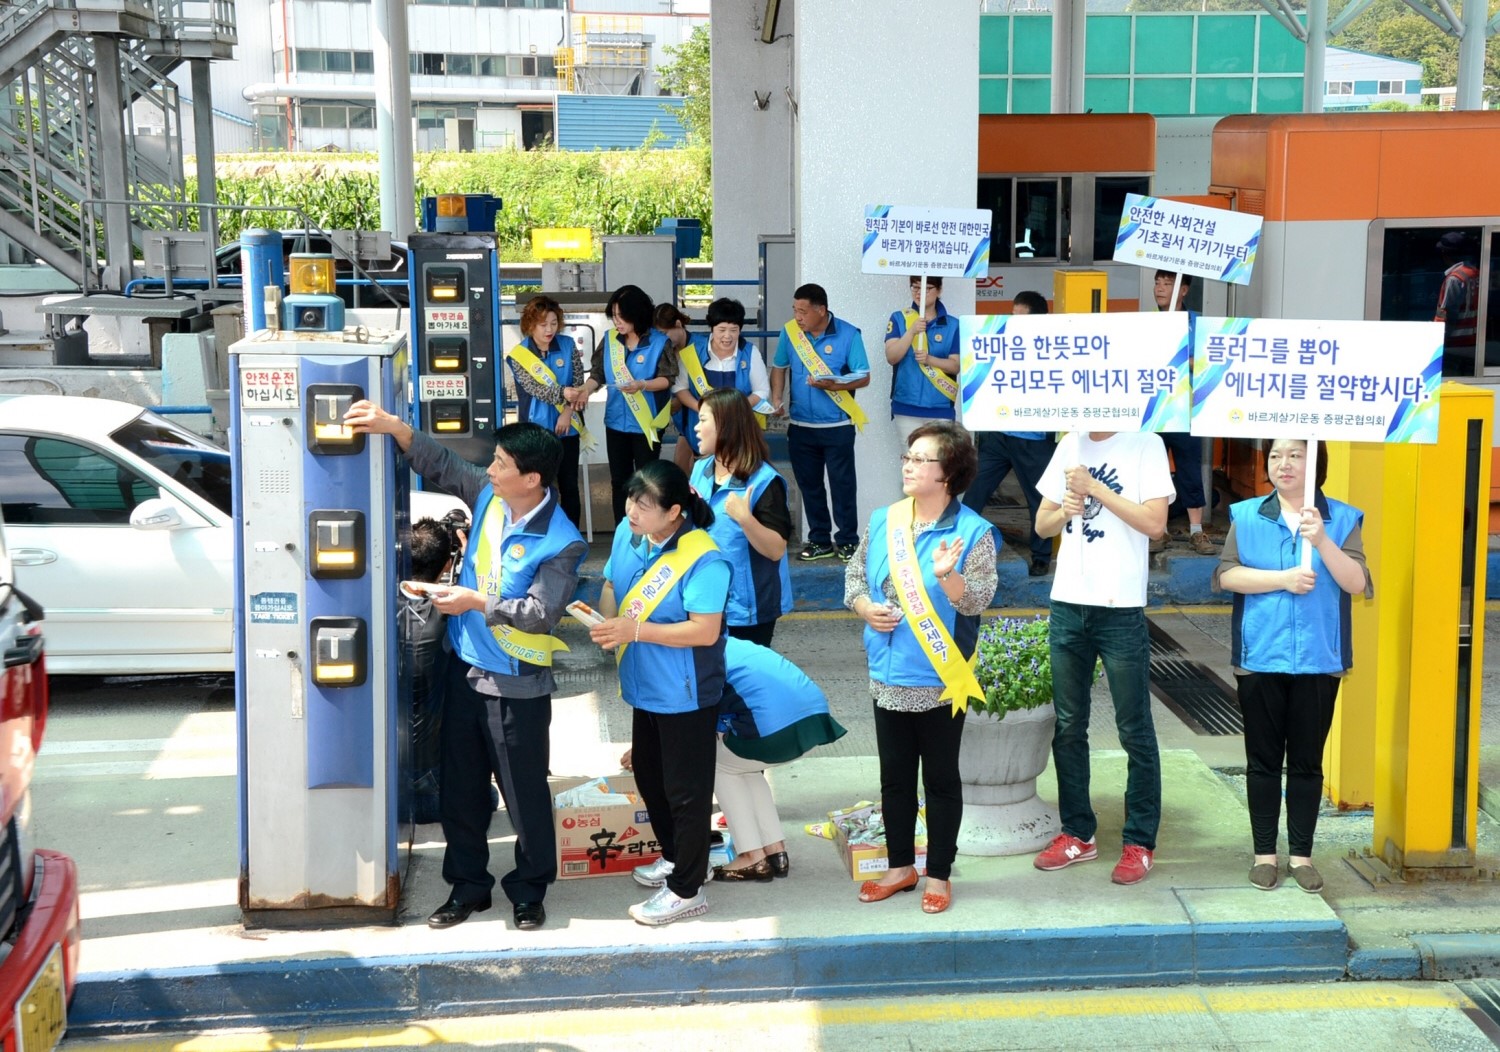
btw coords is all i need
(752, 147)
(887, 106)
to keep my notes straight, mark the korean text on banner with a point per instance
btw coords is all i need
(1075, 372)
(1189, 239)
(1355, 381)
(943, 242)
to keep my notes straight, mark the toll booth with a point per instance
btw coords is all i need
(455, 339)
(319, 512)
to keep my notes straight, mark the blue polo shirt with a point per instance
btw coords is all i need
(842, 348)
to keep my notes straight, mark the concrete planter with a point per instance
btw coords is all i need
(999, 760)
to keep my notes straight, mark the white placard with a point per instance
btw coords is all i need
(1069, 372)
(1355, 381)
(1189, 239)
(276, 387)
(446, 319)
(942, 242)
(432, 388)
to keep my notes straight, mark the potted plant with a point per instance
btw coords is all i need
(1007, 739)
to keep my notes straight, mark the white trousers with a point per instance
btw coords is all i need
(745, 797)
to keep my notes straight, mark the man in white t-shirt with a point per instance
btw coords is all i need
(1107, 493)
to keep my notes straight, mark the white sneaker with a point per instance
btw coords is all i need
(654, 874)
(665, 907)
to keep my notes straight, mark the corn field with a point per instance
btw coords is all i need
(626, 192)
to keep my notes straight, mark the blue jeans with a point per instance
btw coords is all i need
(814, 451)
(1080, 635)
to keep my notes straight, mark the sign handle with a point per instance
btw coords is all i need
(1309, 494)
(1176, 290)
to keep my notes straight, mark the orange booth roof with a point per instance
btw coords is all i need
(1056, 143)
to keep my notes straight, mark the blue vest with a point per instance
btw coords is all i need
(895, 658)
(810, 405)
(560, 360)
(1278, 631)
(770, 693)
(736, 376)
(526, 549)
(912, 394)
(641, 365)
(660, 678)
(760, 589)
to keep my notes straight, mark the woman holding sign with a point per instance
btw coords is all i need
(548, 366)
(920, 578)
(665, 588)
(637, 363)
(1291, 645)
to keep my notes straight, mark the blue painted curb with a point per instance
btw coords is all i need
(1389, 965)
(351, 990)
(1452, 957)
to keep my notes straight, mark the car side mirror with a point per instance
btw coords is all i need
(156, 514)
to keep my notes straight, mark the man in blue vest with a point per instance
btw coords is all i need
(820, 438)
(519, 572)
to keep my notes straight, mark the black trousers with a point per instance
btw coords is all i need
(509, 738)
(759, 634)
(903, 740)
(673, 755)
(999, 454)
(1287, 719)
(628, 452)
(567, 481)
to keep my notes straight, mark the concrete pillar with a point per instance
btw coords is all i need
(114, 183)
(203, 143)
(393, 118)
(1069, 37)
(887, 107)
(1315, 50)
(1471, 57)
(752, 136)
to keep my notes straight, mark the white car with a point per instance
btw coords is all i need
(120, 527)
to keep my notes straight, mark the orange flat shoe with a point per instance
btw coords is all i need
(936, 901)
(874, 891)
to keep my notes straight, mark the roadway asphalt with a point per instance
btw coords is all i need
(155, 842)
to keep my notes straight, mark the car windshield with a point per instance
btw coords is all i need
(181, 455)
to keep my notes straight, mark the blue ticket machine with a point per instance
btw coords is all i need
(320, 516)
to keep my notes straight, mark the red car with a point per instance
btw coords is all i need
(38, 888)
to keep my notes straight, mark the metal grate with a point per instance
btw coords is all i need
(1192, 690)
(1485, 993)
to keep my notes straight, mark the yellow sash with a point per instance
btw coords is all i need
(532, 647)
(659, 581)
(935, 376)
(542, 373)
(957, 674)
(694, 369)
(817, 367)
(635, 401)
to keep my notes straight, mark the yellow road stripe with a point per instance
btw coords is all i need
(571, 1026)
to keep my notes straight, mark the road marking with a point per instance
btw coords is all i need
(82, 747)
(158, 769)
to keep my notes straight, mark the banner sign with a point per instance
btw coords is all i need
(1353, 381)
(1075, 372)
(943, 242)
(1188, 239)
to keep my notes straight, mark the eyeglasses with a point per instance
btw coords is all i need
(913, 458)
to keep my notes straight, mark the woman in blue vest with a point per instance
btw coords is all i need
(751, 518)
(1290, 645)
(726, 360)
(946, 551)
(646, 367)
(551, 402)
(665, 587)
(673, 322)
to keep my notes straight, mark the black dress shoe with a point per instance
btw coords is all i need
(453, 912)
(1038, 568)
(780, 864)
(760, 872)
(530, 915)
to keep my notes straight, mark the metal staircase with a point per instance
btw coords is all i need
(87, 115)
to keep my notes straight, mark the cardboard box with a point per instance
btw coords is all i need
(599, 841)
(867, 862)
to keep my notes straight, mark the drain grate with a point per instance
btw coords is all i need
(1485, 993)
(1192, 690)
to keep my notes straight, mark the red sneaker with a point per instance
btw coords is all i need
(1065, 850)
(1134, 864)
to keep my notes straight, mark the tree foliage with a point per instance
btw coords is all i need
(687, 74)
